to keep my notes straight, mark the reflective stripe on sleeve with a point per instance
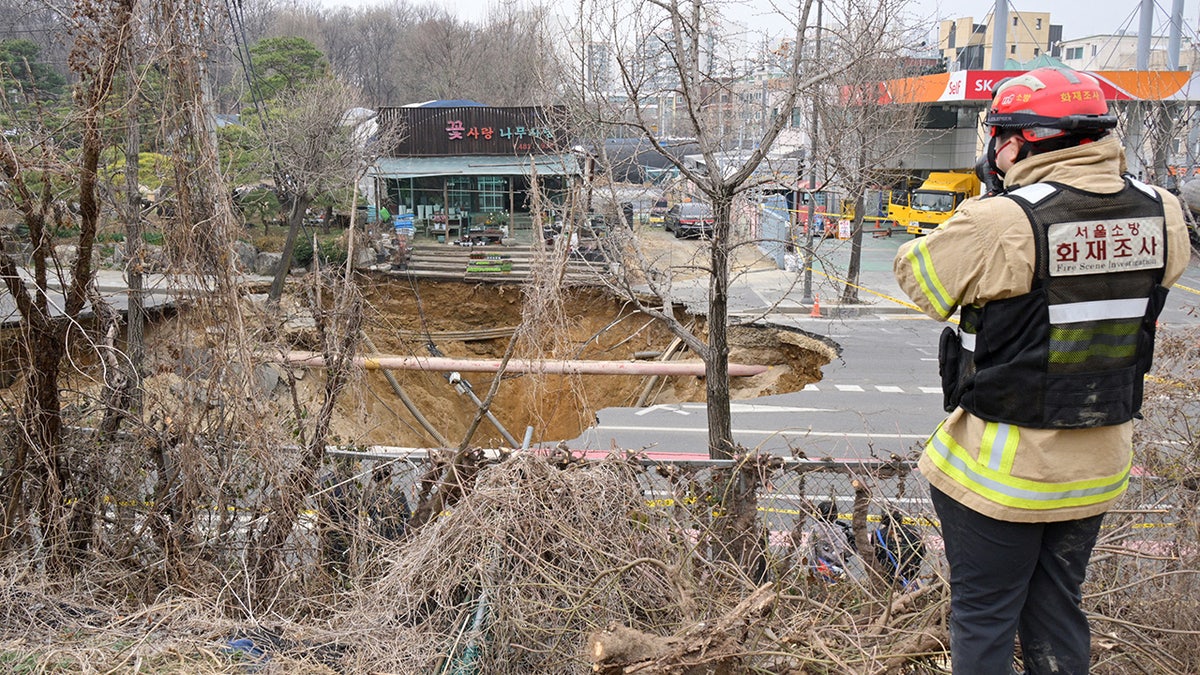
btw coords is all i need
(1098, 310)
(1003, 488)
(931, 286)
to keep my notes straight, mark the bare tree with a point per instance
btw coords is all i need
(516, 67)
(45, 23)
(366, 47)
(310, 147)
(676, 71)
(38, 484)
(1160, 139)
(398, 52)
(862, 131)
(679, 73)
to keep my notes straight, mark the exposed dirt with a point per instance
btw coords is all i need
(597, 326)
(467, 320)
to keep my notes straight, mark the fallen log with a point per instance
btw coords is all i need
(545, 367)
(714, 646)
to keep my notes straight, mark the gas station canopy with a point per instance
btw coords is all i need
(967, 86)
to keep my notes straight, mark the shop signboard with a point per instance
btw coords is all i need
(476, 130)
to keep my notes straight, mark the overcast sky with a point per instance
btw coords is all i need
(1079, 18)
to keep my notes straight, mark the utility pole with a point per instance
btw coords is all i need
(999, 34)
(812, 176)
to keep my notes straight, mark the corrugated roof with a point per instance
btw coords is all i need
(475, 165)
(1044, 61)
(447, 103)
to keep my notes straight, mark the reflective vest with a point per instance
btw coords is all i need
(1070, 353)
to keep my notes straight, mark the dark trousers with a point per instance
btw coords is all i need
(1016, 578)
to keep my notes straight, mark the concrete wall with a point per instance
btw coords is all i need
(942, 149)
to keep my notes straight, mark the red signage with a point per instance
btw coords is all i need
(977, 85)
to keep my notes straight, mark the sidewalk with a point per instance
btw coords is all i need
(160, 291)
(767, 290)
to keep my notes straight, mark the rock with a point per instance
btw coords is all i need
(266, 378)
(155, 257)
(265, 263)
(65, 253)
(365, 257)
(300, 331)
(245, 255)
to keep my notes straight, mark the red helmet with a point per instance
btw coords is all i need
(1049, 102)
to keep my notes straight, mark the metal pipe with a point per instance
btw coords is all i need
(564, 367)
(1145, 33)
(464, 387)
(999, 34)
(807, 297)
(408, 402)
(1175, 36)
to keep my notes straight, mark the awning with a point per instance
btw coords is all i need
(475, 165)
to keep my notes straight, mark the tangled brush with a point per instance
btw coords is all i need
(510, 580)
(550, 569)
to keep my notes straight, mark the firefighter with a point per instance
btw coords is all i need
(1060, 278)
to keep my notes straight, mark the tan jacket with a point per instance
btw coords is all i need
(986, 252)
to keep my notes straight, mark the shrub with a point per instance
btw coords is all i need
(332, 252)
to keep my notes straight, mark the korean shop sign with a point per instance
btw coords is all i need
(432, 132)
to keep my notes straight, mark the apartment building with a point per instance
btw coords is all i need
(967, 45)
(1119, 52)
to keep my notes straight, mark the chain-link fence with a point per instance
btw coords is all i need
(374, 493)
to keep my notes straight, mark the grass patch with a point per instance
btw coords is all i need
(20, 663)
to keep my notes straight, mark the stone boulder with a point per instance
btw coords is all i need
(245, 255)
(266, 262)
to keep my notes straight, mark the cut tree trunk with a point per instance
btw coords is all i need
(705, 647)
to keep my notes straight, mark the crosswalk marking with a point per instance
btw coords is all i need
(881, 388)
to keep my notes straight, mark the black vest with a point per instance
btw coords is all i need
(1070, 353)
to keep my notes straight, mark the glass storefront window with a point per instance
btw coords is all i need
(493, 193)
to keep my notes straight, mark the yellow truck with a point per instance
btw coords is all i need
(935, 201)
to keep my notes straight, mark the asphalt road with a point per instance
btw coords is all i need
(883, 395)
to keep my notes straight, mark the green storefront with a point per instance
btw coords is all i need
(464, 170)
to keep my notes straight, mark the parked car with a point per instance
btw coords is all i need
(658, 212)
(689, 219)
